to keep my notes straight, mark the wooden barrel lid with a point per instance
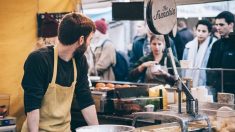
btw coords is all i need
(161, 15)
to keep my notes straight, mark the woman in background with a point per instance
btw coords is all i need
(142, 70)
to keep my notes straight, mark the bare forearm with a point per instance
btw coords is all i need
(90, 115)
(33, 120)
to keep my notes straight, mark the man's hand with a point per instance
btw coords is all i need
(90, 115)
(33, 120)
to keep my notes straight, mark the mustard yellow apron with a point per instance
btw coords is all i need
(56, 104)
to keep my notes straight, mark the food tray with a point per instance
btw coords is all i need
(129, 105)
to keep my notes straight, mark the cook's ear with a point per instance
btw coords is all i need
(81, 40)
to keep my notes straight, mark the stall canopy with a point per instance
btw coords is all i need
(185, 8)
(178, 2)
(205, 9)
(187, 2)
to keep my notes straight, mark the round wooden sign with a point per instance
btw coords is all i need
(161, 15)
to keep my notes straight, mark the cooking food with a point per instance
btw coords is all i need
(133, 85)
(118, 86)
(99, 85)
(231, 128)
(110, 85)
(126, 85)
(127, 106)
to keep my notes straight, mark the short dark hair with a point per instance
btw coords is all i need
(73, 26)
(180, 20)
(206, 23)
(228, 16)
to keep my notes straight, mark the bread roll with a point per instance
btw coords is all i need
(110, 85)
(231, 128)
(118, 86)
(99, 85)
(125, 85)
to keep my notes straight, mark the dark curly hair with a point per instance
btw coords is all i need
(73, 26)
(206, 23)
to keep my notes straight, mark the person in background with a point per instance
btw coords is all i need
(183, 36)
(215, 32)
(53, 74)
(139, 32)
(141, 70)
(140, 29)
(141, 44)
(223, 54)
(197, 52)
(103, 52)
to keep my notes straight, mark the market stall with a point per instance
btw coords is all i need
(19, 34)
(187, 115)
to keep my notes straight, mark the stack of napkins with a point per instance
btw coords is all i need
(201, 93)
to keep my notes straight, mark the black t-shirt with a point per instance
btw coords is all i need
(38, 71)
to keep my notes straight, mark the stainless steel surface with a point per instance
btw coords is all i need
(171, 127)
(106, 128)
(207, 108)
(171, 116)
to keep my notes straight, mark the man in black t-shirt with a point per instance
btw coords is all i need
(53, 74)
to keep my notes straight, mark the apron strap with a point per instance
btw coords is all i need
(55, 65)
(75, 71)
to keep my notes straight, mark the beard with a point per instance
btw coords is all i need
(81, 50)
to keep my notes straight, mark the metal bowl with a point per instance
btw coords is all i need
(106, 128)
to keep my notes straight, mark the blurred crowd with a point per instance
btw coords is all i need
(210, 45)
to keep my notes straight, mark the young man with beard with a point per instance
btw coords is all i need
(53, 74)
(223, 54)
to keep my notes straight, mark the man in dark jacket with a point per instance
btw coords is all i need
(183, 36)
(138, 49)
(223, 55)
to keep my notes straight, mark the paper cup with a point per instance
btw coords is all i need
(149, 108)
(155, 68)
